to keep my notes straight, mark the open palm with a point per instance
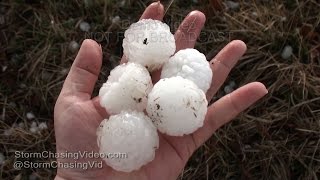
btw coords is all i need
(77, 116)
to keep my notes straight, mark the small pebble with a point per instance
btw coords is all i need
(287, 52)
(232, 5)
(84, 26)
(74, 46)
(42, 126)
(2, 158)
(228, 89)
(30, 115)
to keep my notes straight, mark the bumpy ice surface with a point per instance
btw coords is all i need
(149, 42)
(128, 132)
(177, 106)
(189, 64)
(127, 88)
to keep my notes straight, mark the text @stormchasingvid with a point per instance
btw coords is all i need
(55, 164)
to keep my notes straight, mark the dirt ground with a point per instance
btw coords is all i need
(277, 138)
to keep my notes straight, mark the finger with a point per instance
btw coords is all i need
(189, 30)
(84, 71)
(153, 11)
(222, 64)
(227, 108)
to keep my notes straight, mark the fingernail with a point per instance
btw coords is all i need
(192, 13)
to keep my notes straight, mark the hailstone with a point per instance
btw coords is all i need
(127, 88)
(149, 42)
(131, 133)
(177, 106)
(189, 64)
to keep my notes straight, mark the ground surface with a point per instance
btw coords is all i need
(277, 138)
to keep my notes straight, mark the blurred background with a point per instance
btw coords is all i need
(277, 138)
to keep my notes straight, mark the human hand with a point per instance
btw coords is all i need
(77, 115)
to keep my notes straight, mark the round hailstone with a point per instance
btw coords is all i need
(74, 46)
(116, 19)
(189, 64)
(4, 68)
(232, 84)
(84, 26)
(42, 126)
(127, 88)
(33, 124)
(228, 89)
(177, 106)
(149, 42)
(131, 133)
(21, 125)
(30, 115)
(287, 52)
(34, 130)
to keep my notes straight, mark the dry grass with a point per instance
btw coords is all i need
(278, 138)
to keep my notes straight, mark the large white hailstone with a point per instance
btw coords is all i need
(189, 64)
(177, 106)
(131, 133)
(149, 42)
(127, 88)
